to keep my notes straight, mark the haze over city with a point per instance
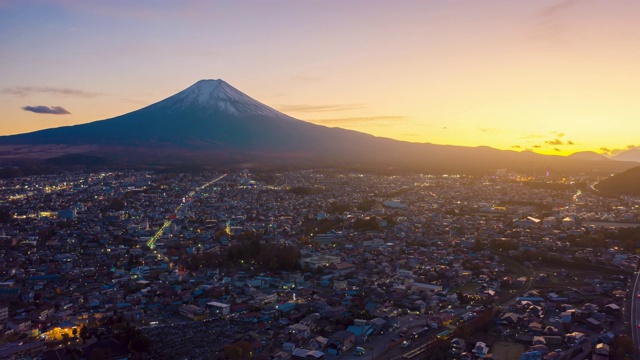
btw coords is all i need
(555, 77)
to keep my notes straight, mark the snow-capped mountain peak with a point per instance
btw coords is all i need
(216, 95)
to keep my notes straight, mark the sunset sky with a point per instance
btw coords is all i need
(553, 76)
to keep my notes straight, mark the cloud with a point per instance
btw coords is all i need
(558, 9)
(551, 22)
(41, 109)
(556, 149)
(23, 91)
(361, 120)
(536, 146)
(558, 134)
(554, 142)
(488, 130)
(516, 146)
(615, 151)
(319, 108)
(569, 142)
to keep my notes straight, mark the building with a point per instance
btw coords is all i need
(218, 309)
(192, 312)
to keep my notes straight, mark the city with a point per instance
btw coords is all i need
(320, 264)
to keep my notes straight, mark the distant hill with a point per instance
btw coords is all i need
(629, 155)
(213, 124)
(588, 155)
(77, 160)
(625, 183)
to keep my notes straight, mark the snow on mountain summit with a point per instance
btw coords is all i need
(216, 95)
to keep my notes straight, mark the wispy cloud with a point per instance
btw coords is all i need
(488, 130)
(23, 91)
(378, 120)
(558, 9)
(41, 109)
(569, 142)
(319, 108)
(551, 22)
(516, 146)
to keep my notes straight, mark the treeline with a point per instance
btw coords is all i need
(539, 205)
(553, 186)
(21, 171)
(269, 256)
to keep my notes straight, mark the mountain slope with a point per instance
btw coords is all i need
(629, 155)
(211, 122)
(589, 155)
(625, 183)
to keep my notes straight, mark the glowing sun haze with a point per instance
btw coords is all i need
(552, 76)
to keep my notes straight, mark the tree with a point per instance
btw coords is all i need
(116, 205)
(84, 333)
(238, 351)
(141, 344)
(624, 347)
(5, 216)
(100, 354)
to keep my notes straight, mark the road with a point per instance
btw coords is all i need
(635, 314)
(152, 242)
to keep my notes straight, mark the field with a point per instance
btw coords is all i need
(507, 350)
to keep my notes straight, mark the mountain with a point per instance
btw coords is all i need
(212, 123)
(625, 183)
(589, 155)
(629, 155)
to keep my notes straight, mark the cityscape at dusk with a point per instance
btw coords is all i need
(552, 76)
(319, 180)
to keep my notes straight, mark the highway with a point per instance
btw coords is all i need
(152, 242)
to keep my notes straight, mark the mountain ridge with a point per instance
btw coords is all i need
(628, 155)
(211, 122)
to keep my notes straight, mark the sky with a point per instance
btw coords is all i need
(550, 76)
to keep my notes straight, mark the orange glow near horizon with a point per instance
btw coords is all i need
(551, 76)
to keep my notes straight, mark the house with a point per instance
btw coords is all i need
(575, 338)
(510, 318)
(299, 330)
(538, 340)
(480, 349)
(341, 268)
(303, 354)
(527, 222)
(458, 346)
(535, 329)
(340, 342)
(531, 355)
(601, 352)
(288, 347)
(318, 343)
